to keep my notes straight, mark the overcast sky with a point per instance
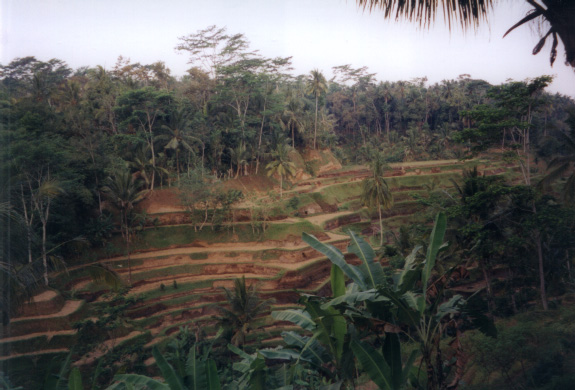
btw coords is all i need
(317, 33)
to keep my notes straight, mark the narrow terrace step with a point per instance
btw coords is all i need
(36, 342)
(61, 320)
(35, 354)
(106, 347)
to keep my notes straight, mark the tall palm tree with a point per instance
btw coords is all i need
(558, 14)
(281, 164)
(178, 136)
(317, 86)
(376, 192)
(124, 192)
(292, 117)
(245, 305)
(239, 156)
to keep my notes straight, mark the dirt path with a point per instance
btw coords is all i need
(35, 353)
(44, 296)
(49, 335)
(322, 218)
(68, 308)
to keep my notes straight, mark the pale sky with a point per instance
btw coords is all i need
(317, 33)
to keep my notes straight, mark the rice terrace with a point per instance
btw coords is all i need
(239, 226)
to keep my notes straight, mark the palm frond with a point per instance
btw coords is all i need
(526, 19)
(469, 13)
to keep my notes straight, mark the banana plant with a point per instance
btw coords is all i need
(200, 374)
(256, 374)
(403, 303)
(327, 349)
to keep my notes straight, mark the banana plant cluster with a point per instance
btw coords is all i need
(199, 373)
(363, 321)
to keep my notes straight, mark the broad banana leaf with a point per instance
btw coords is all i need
(415, 301)
(75, 380)
(411, 272)
(372, 271)
(331, 327)
(337, 281)
(392, 355)
(336, 257)
(352, 298)
(435, 244)
(373, 363)
(332, 386)
(310, 349)
(195, 370)
(296, 316)
(279, 354)
(450, 307)
(212, 378)
(138, 382)
(170, 376)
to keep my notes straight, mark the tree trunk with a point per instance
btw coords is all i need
(541, 272)
(380, 226)
(44, 254)
(29, 221)
(488, 285)
(260, 138)
(44, 218)
(128, 247)
(315, 125)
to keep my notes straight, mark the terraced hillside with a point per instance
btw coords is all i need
(178, 273)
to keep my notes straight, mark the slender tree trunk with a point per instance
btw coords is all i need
(315, 125)
(260, 137)
(29, 236)
(541, 272)
(488, 285)
(44, 218)
(128, 247)
(29, 221)
(380, 225)
(44, 254)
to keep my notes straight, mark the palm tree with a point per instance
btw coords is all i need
(292, 120)
(124, 193)
(139, 161)
(179, 138)
(317, 86)
(281, 164)
(239, 156)
(376, 192)
(559, 14)
(245, 305)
